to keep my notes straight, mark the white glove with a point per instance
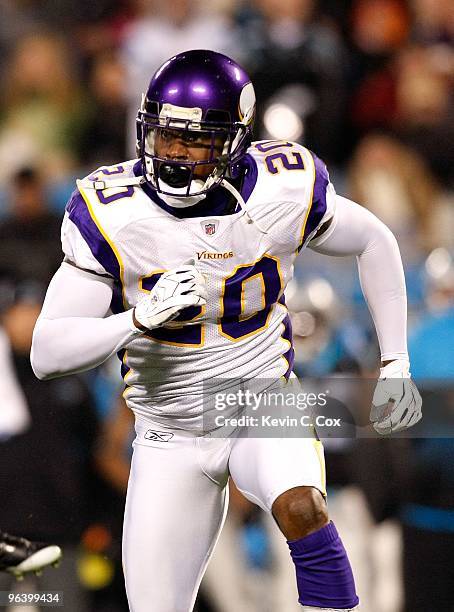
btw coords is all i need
(396, 404)
(175, 290)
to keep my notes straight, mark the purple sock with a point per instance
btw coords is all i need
(323, 573)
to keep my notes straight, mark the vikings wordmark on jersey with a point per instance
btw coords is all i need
(246, 257)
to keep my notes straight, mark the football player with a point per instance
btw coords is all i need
(178, 261)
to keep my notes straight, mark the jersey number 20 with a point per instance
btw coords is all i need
(233, 322)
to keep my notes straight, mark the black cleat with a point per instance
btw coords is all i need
(19, 556)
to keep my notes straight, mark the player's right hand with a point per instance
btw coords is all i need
(175, 290)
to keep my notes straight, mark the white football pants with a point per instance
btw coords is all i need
(177, 502)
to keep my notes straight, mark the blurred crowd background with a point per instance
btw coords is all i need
(366, 84)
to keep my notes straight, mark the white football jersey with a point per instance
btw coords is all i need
(247, 259)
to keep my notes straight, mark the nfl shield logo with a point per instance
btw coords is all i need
(210, 229)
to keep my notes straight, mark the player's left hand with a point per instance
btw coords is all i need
(396, 404)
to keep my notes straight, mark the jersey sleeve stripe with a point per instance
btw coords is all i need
(117, 304)
(318, 203)
(79, 214)
(103, 249)
(251, 175)
(314, 176)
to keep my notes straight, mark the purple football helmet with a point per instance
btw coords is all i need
(196, 96)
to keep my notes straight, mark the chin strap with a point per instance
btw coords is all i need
(241, 202)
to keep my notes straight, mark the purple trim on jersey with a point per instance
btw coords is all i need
(214, 205)
(102, 251)
(232, 323)
(94, 176)
(128, 193)
(124, 368)
(250, 176)
(116, 303)
(323, 572)
(318, 207)
(290, 354)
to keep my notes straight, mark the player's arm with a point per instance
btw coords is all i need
(73, 332)
(353, 230)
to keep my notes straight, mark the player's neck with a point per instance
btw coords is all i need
(218, 202)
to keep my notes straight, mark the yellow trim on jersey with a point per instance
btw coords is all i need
(127, 375)
(109, 242)
(321, 457)
(282, 166)
(142, 278)
(224, 282)
(272, 144)
(243, 298)
(309, 208)
(281, 337)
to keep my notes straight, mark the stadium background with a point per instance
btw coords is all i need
(366, 84)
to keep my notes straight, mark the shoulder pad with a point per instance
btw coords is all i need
(105, 177)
